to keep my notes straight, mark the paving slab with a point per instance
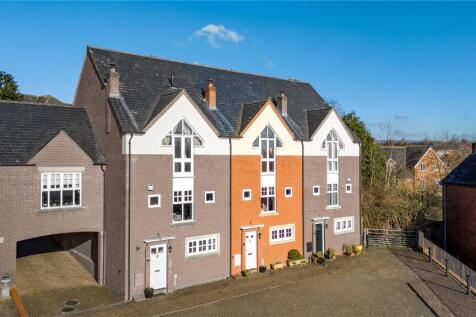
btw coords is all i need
(7, 308)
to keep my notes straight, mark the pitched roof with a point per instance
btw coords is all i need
(315, 118)
(464, 173)
(145, 79)
(415, 153)
(395, 153)
(248, 111)
(27, 127)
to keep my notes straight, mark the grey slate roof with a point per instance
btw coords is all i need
(25, 128)
(464, 173)
(248, 111)
(415, 153)
(144, 79)
(315, 118)
(404, 155)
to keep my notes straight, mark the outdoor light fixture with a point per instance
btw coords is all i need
(170, 249)
(259, 235)
(327, 225)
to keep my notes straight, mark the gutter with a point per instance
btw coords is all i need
(129, 223)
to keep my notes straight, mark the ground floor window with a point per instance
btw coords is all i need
(342, 225)
(281, 233)
(60, 190)
(208, 244)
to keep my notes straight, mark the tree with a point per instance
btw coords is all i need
(8, 87)
(373, 160)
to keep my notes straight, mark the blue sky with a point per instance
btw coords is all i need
(410, 64)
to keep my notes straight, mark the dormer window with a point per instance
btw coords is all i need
(183, 139)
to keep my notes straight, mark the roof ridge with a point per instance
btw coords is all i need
(34, 103)
(199, 65)
(325, 108)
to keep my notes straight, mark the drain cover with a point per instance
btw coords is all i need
(72, 302)
(67, 309)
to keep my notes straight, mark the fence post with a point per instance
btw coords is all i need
(429, 254)
(446, 267)
(366, 237)
(468, 284)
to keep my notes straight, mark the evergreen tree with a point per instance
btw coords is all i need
(8, 87)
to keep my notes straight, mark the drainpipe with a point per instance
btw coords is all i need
(445, 220)
(103, 225)
(360, 194)
(230, 224)
(302, 197)
(129, 223)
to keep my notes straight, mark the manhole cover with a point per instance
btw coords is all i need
(67, 309)
(72, 302)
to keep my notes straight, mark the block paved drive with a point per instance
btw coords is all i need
(372, 284)
(451, 293)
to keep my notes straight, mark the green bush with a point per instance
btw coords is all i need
(294, 254)
(318, 257)
(245, 273)
(354, 248)
(348, 250)
(330, 253)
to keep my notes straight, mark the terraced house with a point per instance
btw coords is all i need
(209, 172)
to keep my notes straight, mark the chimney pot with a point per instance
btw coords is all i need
(283, 103)
(113, 82)
(211, 94)
(473, 147)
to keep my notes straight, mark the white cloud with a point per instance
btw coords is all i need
(216, 34)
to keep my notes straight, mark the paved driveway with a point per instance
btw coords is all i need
(45, 281)
(375, 283)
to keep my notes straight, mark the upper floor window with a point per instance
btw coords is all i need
(183, 206)
(332, 144)
(268, 199)
(268, 141)
(183, 139)
(332, 195)
(422, 166)
(60, 190)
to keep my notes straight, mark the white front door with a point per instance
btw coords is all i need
(250, 250)
(158, 266)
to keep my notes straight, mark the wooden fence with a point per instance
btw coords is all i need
(389, 237)
(450, 264)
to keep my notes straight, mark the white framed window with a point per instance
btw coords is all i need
(246, 194)
(288, 192)
(316, 190)
(332, 195)
(268, 199)
(268, 141)
(154, 201)
(343, 225)
(436, 168)
(348, 188)
(209, 197)
(422, 166)
(280, 234)
(183, 139)
(182, 206)
(333, 144)
(202, 245)
(60, 190)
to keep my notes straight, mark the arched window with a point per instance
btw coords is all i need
(268, 141)
(332, 144)
(181, 138)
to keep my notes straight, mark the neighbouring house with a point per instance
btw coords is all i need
(459, 210)
(212, 171)
(51, 172)
(417, 166)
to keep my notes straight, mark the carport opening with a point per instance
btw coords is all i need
(83, 246)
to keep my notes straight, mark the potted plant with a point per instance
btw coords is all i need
(245, 273)
(295, 258)
(318, 257)
(348, 250)
(149, 292)
(357, 249)
(262, 268)
(330, 253)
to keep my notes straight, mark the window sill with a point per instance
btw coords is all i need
(193, 256)
(281, 242)
(343, 232)
(268, 213)
(61, 209)
(333, 207)
(183, 223)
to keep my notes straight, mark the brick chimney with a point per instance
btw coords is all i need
(211, 95)
(283, 103)
(113, 81)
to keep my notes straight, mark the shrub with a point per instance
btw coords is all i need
(245, 273)
(294, 254)
(354, 248)
(330, 253)
(348, 250)
(318, 257)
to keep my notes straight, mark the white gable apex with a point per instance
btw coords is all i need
(181, 109)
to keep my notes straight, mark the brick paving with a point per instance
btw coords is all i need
(450, 292)
(375, 283)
